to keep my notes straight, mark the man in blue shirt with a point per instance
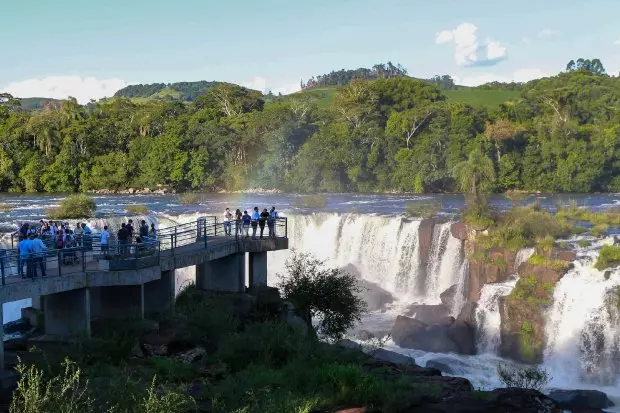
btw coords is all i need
(38, 249)
(255, 218)
(24, 249)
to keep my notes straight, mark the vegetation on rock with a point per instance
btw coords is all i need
(74, 206)
(313, 201)
(609, 256)
(422, 209)
(529, 377)
(137, 209)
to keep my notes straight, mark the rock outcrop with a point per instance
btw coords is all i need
(459, 230)
(444, 336)
(581, 400)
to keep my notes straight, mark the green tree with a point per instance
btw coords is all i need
(475, 173)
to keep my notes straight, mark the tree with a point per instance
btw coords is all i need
(476, 172)
(328, 295)
(499, 131)
(595, 66)
(409, 122)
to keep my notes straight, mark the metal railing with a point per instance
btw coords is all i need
(89, 254)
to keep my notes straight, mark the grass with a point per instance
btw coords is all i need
(189, 198)
(314, 201)
(137, 209)
(422, 209)
(608, 257)
(74, 206)
(601, 221)
(481, 97)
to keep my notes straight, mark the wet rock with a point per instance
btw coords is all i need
(446, 385)
(564, 255)
(464, 336)
(428, 314)
(459, 230)
(392, 357)
(511, 400)
(581, 399)
(390, 370)
(425, 239)
(375, 297)
(468, 314)
(542, 274)
(405, 327)
(192, 356)
(364, 335)
(436, 364)
(447, 297)
(349, 344)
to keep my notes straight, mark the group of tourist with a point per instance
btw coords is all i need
(243, 222)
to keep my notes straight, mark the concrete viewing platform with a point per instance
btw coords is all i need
(136, 280)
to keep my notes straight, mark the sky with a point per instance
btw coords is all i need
(90, 49)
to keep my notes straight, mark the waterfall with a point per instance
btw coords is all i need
(583, 326)
(488, 316)
(384, 249)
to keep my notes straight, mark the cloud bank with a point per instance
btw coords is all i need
(521, 75)
(61, 87)
(468, 52)
(263, 85)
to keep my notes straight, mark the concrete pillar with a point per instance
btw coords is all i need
(1, 338)
(126, 301)
(257, 268)
(67, 313)
(224, 274)
(159, 294)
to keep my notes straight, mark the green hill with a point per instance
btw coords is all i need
(38, 103)
(480, 97)
(186, 91)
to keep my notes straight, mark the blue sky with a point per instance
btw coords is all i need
(89, 49)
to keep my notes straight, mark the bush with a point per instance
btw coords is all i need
(329, 294)
(478, 212)
(422, 209)
(515, 195)
(599, 229)
(137, 209)
(189, 198)
(531, 377)
(583, 243)
(315, 201)
(72, 207)
(608, 257)
(546, 262)
(545, 245)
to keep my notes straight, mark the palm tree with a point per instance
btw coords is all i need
(477, 169)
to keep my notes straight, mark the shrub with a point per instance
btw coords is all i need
(599, 229)
(583, 243)
(329, 294)
(189, 198)
(67, 392)
(478, 212)
(515, 195)
(422, 209)
(546, 262)
(609, 256)
(545, 245)
(137, 209)
(530, 377)
(74, 206)
(314, 201)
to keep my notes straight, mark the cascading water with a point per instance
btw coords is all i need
(583, 327)
(443, 269)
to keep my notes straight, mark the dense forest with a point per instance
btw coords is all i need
(184, 91)
(387, 134)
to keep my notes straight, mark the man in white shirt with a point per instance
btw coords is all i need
(228, 216)
(38, 254)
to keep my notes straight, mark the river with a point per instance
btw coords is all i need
(370, 232)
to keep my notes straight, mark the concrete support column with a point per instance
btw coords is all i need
(118, 302)
(67, 313)
(159, 294)
(257, 268)
(224, 274)
(1, 338)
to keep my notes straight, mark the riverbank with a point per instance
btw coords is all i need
(247, 353)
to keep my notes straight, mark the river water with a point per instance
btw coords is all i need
(370, 232)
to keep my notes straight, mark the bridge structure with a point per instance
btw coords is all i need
(95, 281)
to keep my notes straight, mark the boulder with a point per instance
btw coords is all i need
(510, 400)
(543, 274)
(425, 239)
(436, 364)
(581, 399)
(468, 314)
(157, 343)
(392, 357)
(364, 335)
(375, 297)
(405, 327)
(447, 297)
(459, 230)
(464, 336)
(434, 339)
(565, 255)
(349, 344)
(427, 313)
(192, 355)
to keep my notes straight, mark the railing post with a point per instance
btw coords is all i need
(172, 243)
(59, 257)
(285, 227)
(83, 260)
(215, 227)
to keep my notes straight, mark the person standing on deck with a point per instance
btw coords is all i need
(246, 223)
(123, 235)
(238, 221)
(79, 233)
(228, 216)
(254, 221)
(271, 222)
(38, 255)
(262, 220)
(24, 249)
(105, 241)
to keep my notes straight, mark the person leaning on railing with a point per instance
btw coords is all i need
(38, 254)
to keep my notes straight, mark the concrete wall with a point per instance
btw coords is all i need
(126, 301)
(224, 274)
(67, 313)
(159, 294)
(257, 267)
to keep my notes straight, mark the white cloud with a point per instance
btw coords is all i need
(61, 87)
(548, 33)
(263, 85)
(617, 42)
(525, 40)
(520, 75)
(467, 48)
